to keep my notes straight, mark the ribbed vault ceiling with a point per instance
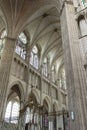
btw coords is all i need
(40, 19)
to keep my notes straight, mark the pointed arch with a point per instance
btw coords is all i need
(19, 88)
(47, 100)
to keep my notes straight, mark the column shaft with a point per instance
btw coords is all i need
(5, 67)
(75, 75)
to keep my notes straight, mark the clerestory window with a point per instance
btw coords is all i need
(84, 3)
(21, 46)
(34, 61)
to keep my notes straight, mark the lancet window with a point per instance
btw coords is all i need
(21, 45)
(34, 60)
(12, 112)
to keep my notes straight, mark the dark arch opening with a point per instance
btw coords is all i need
(45, 118)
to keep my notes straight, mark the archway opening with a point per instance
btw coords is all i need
(13, 105)
(32, 113)
(45, 122)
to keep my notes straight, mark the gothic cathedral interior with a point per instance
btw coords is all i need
(43, 64)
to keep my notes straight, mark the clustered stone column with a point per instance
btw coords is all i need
(75, 76)
(22, 116)
(5, 67)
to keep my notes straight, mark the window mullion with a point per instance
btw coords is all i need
(11, 112)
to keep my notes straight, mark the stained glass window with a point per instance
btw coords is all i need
(21, 46)
(8, 112)
(84, 3)
(12, 112)
(36, 61)
(34, 57)
(31, 116)
(45, 121)
(23, 38)
(15, 112)
(35, 50)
